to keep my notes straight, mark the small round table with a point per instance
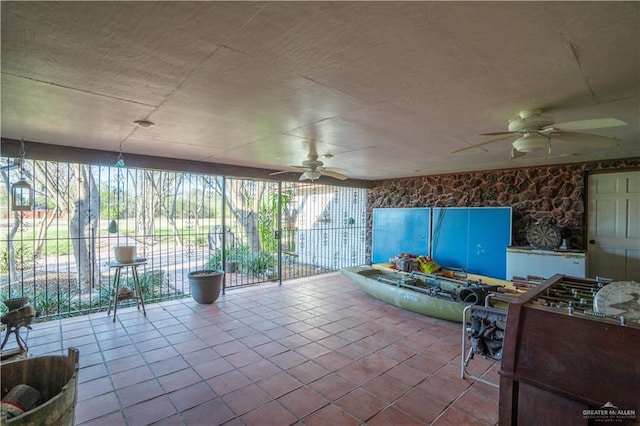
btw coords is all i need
(137, 289)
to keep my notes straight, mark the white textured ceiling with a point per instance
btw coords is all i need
(388, 88)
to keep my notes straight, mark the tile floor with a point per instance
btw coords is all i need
(314, 351)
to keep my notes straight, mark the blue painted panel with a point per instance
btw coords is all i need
(449, 244)
(472, 238)
(398, 230)
(489, 237)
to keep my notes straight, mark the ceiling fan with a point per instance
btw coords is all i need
(534, 131)
(314, 168)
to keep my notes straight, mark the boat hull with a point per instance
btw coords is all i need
(366, 278)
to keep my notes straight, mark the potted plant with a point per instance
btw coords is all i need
(205, 285)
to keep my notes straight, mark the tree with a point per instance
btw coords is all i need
(83, 226)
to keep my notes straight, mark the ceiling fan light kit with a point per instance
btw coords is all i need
(531, 142)
(534, 131)
(311, 175)
(313, 169)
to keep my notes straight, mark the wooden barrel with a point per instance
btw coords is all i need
(55, 377)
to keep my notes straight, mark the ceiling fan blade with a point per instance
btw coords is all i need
(496, 133)
(586, 139)
(278, 173)
(515, 153)
(596, 123)
(482, 144)
(333, 174)
(335, 169)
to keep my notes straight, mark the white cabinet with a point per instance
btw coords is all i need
(523, 261)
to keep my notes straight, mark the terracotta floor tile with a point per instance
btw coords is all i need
(443, 390)
(477, 406)
(124, 363)
(79, 341)
(314, 334)
(115, 342)
(93, 372)
(332, 386)
(131, 376)
(453, 417)
(312, 350)
(140, 332)
(292, 352)
(94, 388)
(353, 335)
(407, 374)
(259, 370)
(333, 342)
(151, 344)
(201, 356)
(91, 348)
(149, 412)
(174, 420)
(175, 339)
(486, 391)
(241, 332)
(330, 415)
(357, 373)
(168, 366)
(115, 418)
(228, 382)
(271, 414)
(242, 358)
(179, 380)
(425, 363)
(297, 326)
(85, 361)
(279, 384)
(361, 404)
(217, 339)
(378, 362)
(256, 341)
(303, 401)
(386, 388)
(192, 395)
(308, 372)
(332, 361)
(270, 349)
(294, 341)
(96, 407)
(277, 333)
(119, 352)
(353, 351)
(420, 406)
(246, 399)
(393, 416)
(144, 391)
(214, 412)
(288, 359)
(189, 346)
(214, 368)
(229, 348)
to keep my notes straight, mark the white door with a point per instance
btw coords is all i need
(613, 235)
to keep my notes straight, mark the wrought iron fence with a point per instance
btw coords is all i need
(256, 230)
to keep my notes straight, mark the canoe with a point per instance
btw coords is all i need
(431, 295)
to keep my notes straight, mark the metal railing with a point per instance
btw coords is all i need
(256, 230)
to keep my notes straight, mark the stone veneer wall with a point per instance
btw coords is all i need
(547, 194)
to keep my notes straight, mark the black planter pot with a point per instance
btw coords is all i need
(205, 285)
